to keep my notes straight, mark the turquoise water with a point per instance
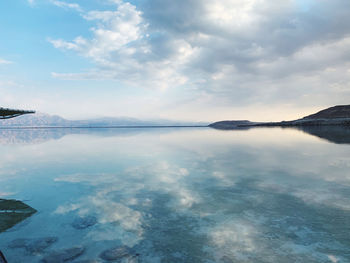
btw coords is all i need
(180, 195)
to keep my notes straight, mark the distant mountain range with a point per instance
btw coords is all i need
(336, 116)
(332, 124)
(45, 120)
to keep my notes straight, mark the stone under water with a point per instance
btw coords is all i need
(84, 222)
(117, 253)
(33, 245)
(64, 255)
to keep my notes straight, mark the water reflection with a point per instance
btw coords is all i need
(10, 136)
(12, 212)
(189, 195)
(336, 134)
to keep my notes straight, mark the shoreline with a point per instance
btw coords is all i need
(230, 125)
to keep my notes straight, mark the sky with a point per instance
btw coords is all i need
(191, 60)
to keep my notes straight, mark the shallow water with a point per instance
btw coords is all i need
(180, 195)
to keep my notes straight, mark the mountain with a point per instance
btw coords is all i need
(336, 112)
(45, 120)
(337, 115)
(36, 120)
(227, 125)
(9, 135)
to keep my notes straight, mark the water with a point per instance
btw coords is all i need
(181, 195)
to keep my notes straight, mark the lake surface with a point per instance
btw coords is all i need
(180, 195)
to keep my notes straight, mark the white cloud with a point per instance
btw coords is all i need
(115, 29)
(59, 43)
(62, 4)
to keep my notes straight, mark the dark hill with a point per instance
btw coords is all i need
(336, 112)
(333, 116)
(228, 125)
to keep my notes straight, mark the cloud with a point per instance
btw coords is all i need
(237, 52)
(4, 61)
(62, 4)
(115, 29)
(121, 48)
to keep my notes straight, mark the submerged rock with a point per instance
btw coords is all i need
(64, 255)
(33, 245)
(119, 253)
(40, 244)
(19, 243)
(84, 222)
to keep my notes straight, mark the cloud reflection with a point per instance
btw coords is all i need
(191, 195)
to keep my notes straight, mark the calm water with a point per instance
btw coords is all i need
(181, 195)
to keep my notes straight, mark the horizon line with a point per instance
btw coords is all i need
(103, 127)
